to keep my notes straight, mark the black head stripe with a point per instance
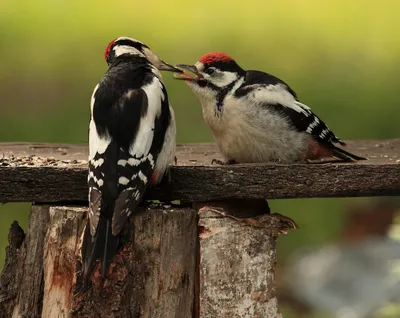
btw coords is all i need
(230, 66)
(125, 42)
(135, 44)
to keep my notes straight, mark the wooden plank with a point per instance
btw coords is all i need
(49, 173)
(237, 261)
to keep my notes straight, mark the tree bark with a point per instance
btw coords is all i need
(152, 275)
(60, 248)
(22, 276)
(237, 259)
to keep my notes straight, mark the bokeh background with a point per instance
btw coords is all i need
(341, 57)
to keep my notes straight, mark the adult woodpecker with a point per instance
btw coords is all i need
(131, 143)
(256, 117)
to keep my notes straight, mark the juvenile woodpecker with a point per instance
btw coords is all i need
(131, 143)
(256, 117)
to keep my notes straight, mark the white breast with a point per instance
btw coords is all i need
(246, 133)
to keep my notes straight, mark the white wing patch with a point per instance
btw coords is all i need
(97, 144)
(122, 162)
(167, 154)
(98, 162)
(145, 135)
(314, 124)
(99, 182)
(324, 133)
(133, 162)
(142, 177)
(136, 162)
(92, 99)
(278, 94)
(123, 180)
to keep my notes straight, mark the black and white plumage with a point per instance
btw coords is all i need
(131, 143)
(256, 117)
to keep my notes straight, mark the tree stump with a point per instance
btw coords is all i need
(152, 276)
(174, 262)
(237, 258)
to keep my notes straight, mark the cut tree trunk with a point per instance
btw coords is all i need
(237, 259)
(152, 276)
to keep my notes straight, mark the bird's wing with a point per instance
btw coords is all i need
(124, 155)
(277, 98)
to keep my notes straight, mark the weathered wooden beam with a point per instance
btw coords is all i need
(151, 277)
(237, 260)
(58, 173)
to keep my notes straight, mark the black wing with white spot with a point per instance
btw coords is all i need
(133, 125)
(277, 96)
(303, 119)
(130, 116)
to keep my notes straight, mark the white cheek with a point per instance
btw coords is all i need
(224, 79)
(125, 49)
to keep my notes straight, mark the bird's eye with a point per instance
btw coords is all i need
(209, 71)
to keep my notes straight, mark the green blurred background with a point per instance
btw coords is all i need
(341, 57)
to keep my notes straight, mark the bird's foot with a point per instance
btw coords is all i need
(221, 163)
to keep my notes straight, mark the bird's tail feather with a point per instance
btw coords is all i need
(103, 246)
(344, 155)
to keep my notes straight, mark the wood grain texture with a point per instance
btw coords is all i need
(154, 276)
(151, 276)
(50, 173)
(27, 287)
(12, 271)
(236, 265)
(59, 260)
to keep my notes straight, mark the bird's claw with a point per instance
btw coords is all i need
(221, 163)
(216, 162)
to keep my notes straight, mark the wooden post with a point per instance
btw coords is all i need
(153, 277)
(237, 259)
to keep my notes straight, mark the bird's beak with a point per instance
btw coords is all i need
(164, 66)
(185, 76)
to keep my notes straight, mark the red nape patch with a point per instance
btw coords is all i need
(108, 49)
(215, 57)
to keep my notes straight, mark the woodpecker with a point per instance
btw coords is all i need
(131, 144)
(256, 117)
